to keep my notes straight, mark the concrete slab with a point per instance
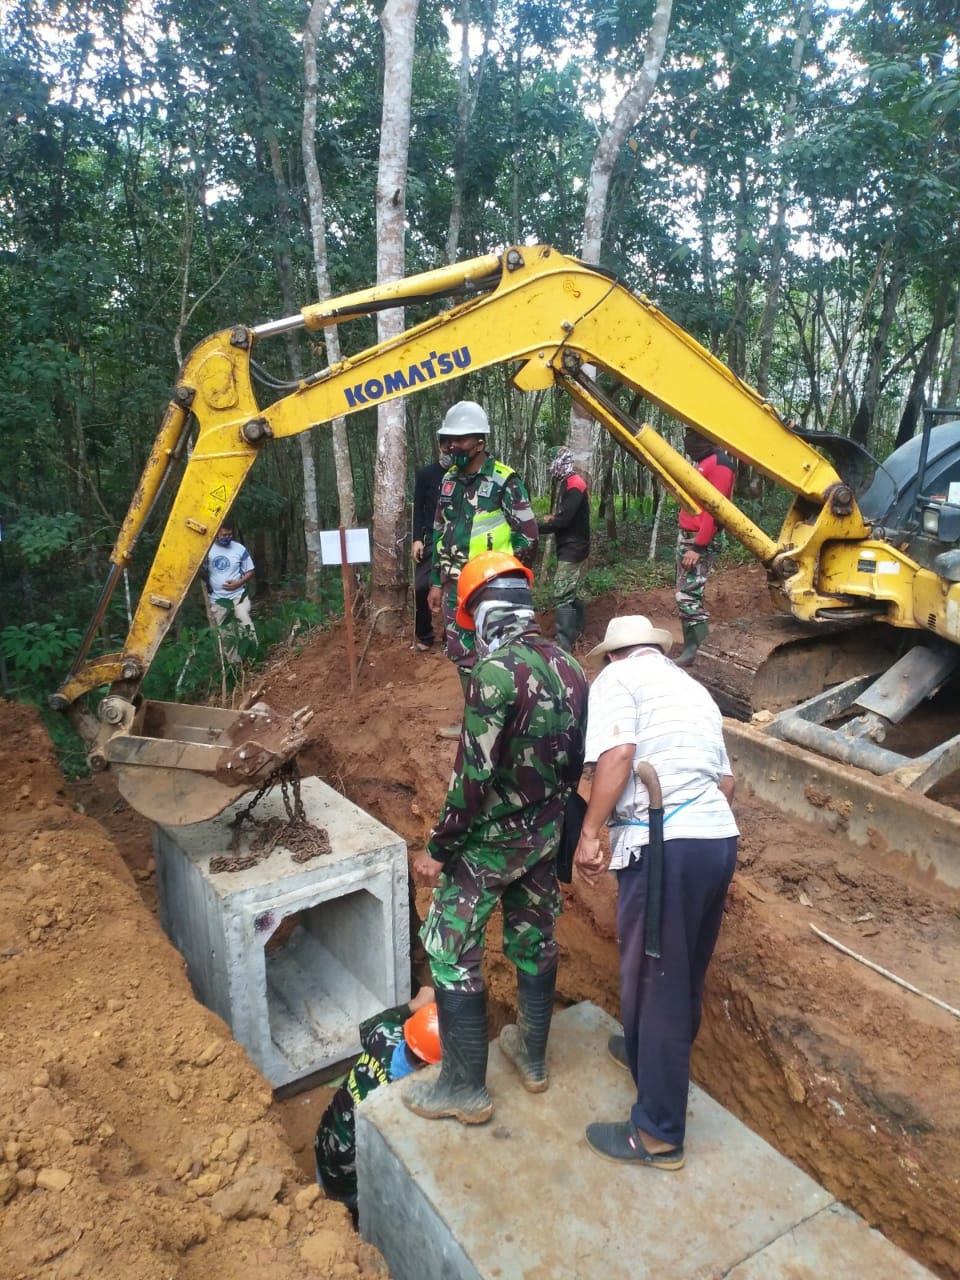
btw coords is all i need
(293, 956)
(832, 1245)
(523, 1196)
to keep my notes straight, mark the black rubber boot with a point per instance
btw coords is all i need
(581, 616)
(525, 1041)
(460, 1088)
(566, 626)
(694, 634)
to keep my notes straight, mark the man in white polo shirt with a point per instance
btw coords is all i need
(644, 709)
(228, 570)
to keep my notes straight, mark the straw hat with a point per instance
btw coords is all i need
(629, 631)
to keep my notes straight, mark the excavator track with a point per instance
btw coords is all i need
(769, 664)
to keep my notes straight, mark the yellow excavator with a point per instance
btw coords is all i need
(866, 567)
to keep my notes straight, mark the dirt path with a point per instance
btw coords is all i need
(113, 1075)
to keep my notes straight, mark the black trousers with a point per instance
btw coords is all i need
(422, 617)
(661, 1000)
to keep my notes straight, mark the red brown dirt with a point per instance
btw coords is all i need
(114, 1075)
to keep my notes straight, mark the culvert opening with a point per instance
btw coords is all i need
(326, 971)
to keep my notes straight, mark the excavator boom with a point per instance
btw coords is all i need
(557, 320)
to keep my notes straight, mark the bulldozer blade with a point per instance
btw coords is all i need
(177, 764)
(877, 814)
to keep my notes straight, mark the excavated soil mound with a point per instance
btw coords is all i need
(140, 1142)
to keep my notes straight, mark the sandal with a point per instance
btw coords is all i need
(422, 648)
(621, 1142)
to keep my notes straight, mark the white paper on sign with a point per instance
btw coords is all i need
(358, 546)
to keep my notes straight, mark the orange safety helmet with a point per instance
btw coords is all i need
(477, 572)
(422, 1033)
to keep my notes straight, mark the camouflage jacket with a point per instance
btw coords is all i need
(335, 1142)
(520, 752)
(464, 499)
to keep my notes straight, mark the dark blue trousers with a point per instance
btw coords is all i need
(660, 1000)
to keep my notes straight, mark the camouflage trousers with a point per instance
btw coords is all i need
(460, 646)
(566, 580)
(569, 614)
(691, 583)
(234, 620)
(525, 881)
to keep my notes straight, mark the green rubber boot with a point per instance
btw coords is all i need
(694, 634)
(460, 1088)
(525, 1041)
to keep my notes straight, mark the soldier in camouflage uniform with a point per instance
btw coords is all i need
(697, 541)
(386, 1055)
(483, 506)
(519, 757)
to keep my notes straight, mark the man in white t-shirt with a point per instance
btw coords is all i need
(645, 709)
(229, 568)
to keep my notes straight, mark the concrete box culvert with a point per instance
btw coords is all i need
(291, 955)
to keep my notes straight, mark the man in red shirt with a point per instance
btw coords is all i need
(570, 525)
(697, 545)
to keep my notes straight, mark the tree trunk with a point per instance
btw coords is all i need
(625, 117)
(467, 95)
(398, 20)
(950, 387)
(318, 232)
(291, 305)
(925, 365)
(779, 236)
(869, 397)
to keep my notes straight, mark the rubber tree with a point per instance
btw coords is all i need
(612, 140)
(318, 235)
(398, 21)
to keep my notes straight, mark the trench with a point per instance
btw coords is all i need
(838, 1069)
(845, 1072)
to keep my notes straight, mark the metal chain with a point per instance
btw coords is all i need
(298, 835)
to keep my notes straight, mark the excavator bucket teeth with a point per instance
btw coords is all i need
(178, 764)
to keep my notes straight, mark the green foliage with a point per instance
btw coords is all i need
(624, 576)
(140, 209)
(191, 667)
(34, 659)
(39, 538)
(37, 653)
(290, 622)
(187, 668)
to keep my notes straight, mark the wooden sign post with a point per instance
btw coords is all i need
(346, 547)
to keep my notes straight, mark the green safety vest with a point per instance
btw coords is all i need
(490, 530)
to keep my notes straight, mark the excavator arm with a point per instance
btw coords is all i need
(557, 320)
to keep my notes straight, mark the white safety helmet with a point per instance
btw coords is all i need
(465, 418)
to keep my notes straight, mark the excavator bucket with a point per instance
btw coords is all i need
(178, 764)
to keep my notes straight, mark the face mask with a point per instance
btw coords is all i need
(445, 460)
(224, 539)
(461, 457)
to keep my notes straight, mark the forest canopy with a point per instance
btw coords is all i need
(789, 195)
